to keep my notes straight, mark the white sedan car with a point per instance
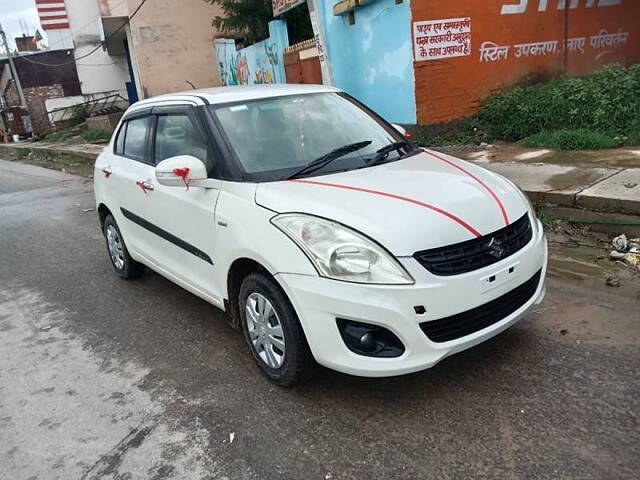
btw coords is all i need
(318, 227)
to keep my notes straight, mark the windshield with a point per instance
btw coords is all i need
(276, 137)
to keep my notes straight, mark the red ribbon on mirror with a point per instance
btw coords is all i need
(184, 174)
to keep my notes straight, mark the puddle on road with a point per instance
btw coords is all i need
(66, 413)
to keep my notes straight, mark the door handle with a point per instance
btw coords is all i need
(107, 171)
(145, 185)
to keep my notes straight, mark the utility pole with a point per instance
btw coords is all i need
(14, 72)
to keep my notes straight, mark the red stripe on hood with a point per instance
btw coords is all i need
(397, 197)
(486, 187)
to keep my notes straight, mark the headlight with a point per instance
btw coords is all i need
(340, 253)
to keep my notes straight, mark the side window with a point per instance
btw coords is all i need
(135, 139)
(119, 147)
(177, 135)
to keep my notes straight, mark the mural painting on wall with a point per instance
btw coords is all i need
(266, 65)
(242, 70)
(248, 66)
(226, 66)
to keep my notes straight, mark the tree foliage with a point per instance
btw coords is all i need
(246, 20)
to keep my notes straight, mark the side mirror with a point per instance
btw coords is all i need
(400, 129)
(181, 171)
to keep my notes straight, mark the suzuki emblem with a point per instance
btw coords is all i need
(495, 248)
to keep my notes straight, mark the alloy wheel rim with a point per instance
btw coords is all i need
(114, 244)
(265, 330)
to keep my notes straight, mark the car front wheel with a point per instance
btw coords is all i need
(272, 330)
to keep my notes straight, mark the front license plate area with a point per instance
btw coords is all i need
(500, 277)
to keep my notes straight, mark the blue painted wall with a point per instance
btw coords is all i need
(373, 59)
(262, 62)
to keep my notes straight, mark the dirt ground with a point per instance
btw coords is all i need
(581, 256)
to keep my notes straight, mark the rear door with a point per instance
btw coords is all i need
(131, 172)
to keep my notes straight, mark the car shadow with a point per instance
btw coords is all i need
(477, 368)
(495, 363)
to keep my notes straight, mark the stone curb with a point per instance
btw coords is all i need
(601, 189)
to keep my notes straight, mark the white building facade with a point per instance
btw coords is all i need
(76, 25)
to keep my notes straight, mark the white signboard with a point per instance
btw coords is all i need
(446, 38)
(281, 6)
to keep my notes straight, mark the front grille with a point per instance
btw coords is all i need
(477, 253)
(465, 323)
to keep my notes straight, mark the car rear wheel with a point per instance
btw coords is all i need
(272, 330)
(124, 265)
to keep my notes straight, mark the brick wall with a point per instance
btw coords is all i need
(35, 98)
(450, 88)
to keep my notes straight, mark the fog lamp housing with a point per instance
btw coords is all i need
(369, 340)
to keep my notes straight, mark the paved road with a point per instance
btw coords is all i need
(104, 378)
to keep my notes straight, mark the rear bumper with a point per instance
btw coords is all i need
(319, 301)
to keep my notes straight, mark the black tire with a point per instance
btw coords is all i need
(297, 359)
(124, 265)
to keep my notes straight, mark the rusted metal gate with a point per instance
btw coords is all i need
(302, 64)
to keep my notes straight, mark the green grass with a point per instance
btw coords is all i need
(461, 133)
(592, 112)
(95, 135)
(607, 102)
(60, 135)
(92, 135)
(579, 139)
(22, 152)
(547, 218)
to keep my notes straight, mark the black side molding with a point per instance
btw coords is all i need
(166, 235)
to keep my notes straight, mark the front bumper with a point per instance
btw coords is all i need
(319, 301)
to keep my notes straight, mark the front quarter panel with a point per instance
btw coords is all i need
(245, 231)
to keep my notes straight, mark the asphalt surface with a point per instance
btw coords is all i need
(113, 379)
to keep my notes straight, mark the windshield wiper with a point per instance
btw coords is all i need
(327, 158)
(384, 152)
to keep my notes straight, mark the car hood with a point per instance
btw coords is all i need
(425, 201)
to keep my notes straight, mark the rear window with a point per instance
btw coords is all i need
(135, 138)
(120, 139)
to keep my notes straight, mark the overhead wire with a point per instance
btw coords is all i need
(80, 29)
(92, 51)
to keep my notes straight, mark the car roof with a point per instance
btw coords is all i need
(218, 95)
